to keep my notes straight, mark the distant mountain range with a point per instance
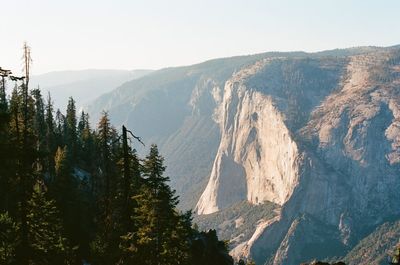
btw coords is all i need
(83, 85)
(291, 156)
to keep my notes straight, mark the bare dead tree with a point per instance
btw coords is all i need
(25, 169)
(27, 59)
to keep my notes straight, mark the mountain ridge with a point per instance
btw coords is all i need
(306, 126)
(82, 85)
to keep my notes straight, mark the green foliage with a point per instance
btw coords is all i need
(207, 249)
(71, 193)
(46, 239)
(374, 248)
(106, 244)
(50, 138)
(71, 130)
(62, 167)
(39, 127)
(5, 150)
(249, 262)
(8, 239)
(162, 235)
(396, 255)
(238, 220)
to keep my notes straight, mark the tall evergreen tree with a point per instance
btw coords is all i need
(40, 130)
(5, 165)
(12, 159)
(71, 128)
(163, 234)
(64, 191)
(63, 181)
(23, 140)
(130, 181)
(128, 187)
(60, 129)
(207, 249)
(86, 143)
(105, 245)
(50, 138)
(8, 239)
(72, 202)
(104, 138)
(46, 237)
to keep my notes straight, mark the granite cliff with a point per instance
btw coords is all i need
(314, 135)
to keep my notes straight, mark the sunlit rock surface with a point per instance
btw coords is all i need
(315, 134)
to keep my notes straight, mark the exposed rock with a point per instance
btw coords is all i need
(316, 134)
(257, 158)
(329, 169)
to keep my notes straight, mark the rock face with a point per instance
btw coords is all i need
(316, 134)
(349, 172)
(257, 158)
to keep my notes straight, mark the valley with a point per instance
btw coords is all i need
(315, 134)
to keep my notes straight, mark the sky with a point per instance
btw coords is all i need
(153, 34)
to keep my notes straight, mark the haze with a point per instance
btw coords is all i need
(154, 34)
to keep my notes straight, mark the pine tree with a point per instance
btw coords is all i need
(46, 239)
(86, 144)
(60, 129)
(207, 249)
(73, 203)
(5, 163)
(128, 186)
(106, 246)
(11, 161)
(8, 239)
(40, 130)
(63, 182)
(64, 191)
(71, 129)
(130, 182)
(83, 122)
(105, 138)
(50, 138)
(163, 234)
(23, 140)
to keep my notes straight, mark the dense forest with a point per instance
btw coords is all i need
(73, 194)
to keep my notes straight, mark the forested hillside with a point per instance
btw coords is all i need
(300, 151)
(71, 194)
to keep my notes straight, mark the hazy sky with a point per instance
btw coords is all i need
(131, 34)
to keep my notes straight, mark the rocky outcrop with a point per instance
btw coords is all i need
(257, 158)
(316, 134)
(335, 172)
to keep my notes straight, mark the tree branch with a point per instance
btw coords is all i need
(136, 137)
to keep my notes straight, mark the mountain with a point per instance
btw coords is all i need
(377, 246)
(83, 85)
(311, 138)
